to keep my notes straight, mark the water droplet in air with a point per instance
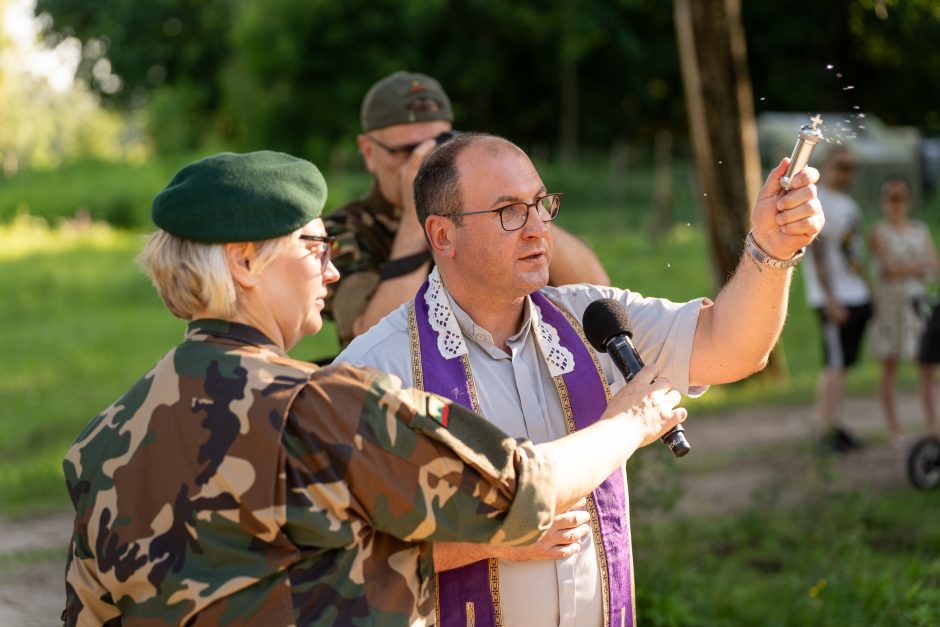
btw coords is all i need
(861, 115)
(856, 107)
(763, 98)
(848, 87)
(829, 66)
(838, 76)
(668, 265)
(706, 195)
(689, 224)
(719, 163)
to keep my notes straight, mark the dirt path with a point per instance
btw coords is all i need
(734, 456)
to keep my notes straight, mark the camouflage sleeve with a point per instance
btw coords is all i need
(87, 602)
(414, 465)
(359, 276)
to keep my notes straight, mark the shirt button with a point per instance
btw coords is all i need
(480, 337)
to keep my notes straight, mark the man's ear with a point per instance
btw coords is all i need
(440, 232)
(365, 148)
(238, 258)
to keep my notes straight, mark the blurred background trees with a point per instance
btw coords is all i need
(552, 74)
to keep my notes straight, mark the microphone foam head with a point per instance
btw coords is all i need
(603, 319)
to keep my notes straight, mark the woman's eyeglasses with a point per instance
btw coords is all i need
(326, 248)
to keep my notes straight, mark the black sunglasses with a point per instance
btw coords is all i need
(407, 149)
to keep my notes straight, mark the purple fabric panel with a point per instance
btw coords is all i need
(445, 377)
(470, 583)
(467, 584)
(588, 402)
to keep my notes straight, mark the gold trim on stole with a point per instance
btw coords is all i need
(591, 507)
(417, 374)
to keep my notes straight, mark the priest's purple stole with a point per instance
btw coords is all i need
(465, 595)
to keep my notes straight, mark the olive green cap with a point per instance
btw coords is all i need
(232, 197)
(404, 98)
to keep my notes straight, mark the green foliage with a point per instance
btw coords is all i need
(837, 559)
(41, 127)
(290, 74)
(878, 50)
(118, 193)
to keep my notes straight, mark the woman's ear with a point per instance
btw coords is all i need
(238, 257)
(440, 232)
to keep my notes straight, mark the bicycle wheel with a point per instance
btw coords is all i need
(923, 464)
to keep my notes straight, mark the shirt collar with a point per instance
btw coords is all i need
(471, 329)
(206, 328)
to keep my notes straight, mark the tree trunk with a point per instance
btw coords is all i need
(713, 57)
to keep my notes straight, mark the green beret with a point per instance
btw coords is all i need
(232, 197)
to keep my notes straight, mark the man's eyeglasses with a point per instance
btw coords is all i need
(326, 250)
(407, 149)
(514, 216)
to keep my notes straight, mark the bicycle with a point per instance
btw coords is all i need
(923, 463)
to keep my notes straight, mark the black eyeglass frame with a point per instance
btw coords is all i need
(528, 205)
(407, 149)
(327, 253)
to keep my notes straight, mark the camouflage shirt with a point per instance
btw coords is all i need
(365, 230)
(235, 485)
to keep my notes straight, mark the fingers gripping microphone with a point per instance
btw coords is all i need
(608, 329)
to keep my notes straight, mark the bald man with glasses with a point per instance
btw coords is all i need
(380, 247)
(485, 331)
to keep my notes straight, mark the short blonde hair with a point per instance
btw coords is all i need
(194, 277)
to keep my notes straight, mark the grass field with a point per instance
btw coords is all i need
(80, 324)
(856, 559)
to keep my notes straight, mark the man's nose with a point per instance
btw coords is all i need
(534, 226)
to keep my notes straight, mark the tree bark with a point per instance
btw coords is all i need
(720, 102)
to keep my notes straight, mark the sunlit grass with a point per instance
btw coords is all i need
(81, 323)
(849, 559)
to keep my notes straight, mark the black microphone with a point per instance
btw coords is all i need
(609, 330)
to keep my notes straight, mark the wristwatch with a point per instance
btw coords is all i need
(763, 258)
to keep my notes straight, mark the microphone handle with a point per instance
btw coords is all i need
(627, 360)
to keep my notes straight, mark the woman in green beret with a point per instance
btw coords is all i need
(235, 485)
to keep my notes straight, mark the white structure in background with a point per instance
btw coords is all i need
(879, 149)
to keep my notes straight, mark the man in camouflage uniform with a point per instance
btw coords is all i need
(380, 247)
(232, 484)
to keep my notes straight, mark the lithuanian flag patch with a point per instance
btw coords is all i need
(438, 410)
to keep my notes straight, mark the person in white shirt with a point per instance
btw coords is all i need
(837, 289)
(486, 331)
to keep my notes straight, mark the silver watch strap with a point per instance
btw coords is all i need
(763, 258)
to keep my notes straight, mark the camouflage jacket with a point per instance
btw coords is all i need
(235, 485)
(365, 230)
